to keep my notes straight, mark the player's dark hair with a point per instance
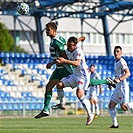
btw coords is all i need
(118, 47)
(73, 39)
(92, 65)
(52, 25)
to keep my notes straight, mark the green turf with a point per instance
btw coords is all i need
(69, 124)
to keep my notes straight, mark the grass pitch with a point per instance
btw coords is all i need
(65, 124)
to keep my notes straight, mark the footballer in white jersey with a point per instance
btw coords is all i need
(94, 92)
(121, 93)
(80, 77)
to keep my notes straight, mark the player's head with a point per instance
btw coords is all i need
(92, 68)
(51, 29)
(117, 52)
(71, 43)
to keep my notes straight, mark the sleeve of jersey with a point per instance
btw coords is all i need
(124, 64)
(79, 53)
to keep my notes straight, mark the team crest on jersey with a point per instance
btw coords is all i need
(79, 55)
(120, 98)
(80, 82)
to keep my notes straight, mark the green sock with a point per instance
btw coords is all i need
(48, 96)
(95, 82)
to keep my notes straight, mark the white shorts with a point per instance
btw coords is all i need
(93, 94)
(121, 95)
(76, 81)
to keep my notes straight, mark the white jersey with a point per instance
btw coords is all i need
(82, 69)
(120, 66)
(80, 77)
(121, 93)
(94, 75)
(94, 90)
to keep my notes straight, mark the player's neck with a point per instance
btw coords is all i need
(118, 59)
(52, 36)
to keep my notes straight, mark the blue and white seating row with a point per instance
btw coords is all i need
(33, 71)
(24, 58)
(21, 106)
(17, 88)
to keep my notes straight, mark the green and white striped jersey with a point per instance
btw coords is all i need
(57, 46)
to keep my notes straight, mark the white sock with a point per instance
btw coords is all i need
(93, 108)
(86, 104)
(113, 116)
(60, 93)
(130, 105)
(97, 109)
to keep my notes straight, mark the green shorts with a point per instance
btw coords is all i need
(60, 73)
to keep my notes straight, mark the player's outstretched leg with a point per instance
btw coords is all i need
(108, 81)
(111, 82)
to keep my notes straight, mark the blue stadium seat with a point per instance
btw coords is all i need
(48, 76)
(42, 83)
(3, 107)
(15, 106)
(37, 106)
(1, 77)
(31, 106)
(33, 77)
(72, 98)
(9, 106)
(29, 94)
(23, 72)
(23, 94)
(27, 107)
(66, 94)
(20, 106)
(15, 66)
(2, 71)
(105, 105)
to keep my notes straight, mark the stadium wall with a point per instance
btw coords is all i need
(122, 35)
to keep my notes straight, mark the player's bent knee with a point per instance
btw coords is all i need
(60, 85)
(110, 106)
(124, 107)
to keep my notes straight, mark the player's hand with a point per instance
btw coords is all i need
(49, 65)
(60, 60)
(82, 38)
(117, 80)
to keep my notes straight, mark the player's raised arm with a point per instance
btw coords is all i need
(82, 38)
